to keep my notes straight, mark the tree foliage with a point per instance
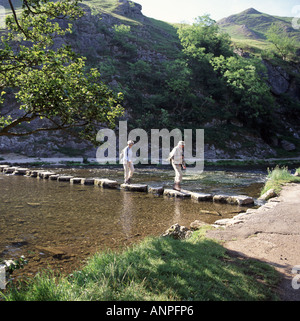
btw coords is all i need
(48, 80)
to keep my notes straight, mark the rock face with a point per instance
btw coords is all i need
(129, 9)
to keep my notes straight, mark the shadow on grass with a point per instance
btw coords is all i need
(160, 269)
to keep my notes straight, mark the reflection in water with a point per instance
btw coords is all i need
(39, 216)
(127, 215)
(177, 213)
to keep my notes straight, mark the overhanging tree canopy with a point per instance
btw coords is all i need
(50, 83)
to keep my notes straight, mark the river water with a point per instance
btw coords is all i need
(58, 225)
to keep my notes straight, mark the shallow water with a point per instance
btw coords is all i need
(77, 220)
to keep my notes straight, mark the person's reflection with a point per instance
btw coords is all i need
(177, 212)
(127, 214)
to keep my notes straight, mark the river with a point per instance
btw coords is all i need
(58, 225)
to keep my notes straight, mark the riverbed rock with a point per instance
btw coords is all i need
(177, 194)
(106, 183)
(135, 187)
(269, 194)
(178, 232)
(54, 251)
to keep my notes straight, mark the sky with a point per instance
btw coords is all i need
(188, 10)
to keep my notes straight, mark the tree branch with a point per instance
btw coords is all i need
(16, 19)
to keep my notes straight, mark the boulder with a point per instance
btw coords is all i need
(178, 232)
(269, 194)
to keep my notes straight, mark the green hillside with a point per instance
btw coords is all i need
(183, 76)
(248, 28)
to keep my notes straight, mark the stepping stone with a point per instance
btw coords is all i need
(156, 190)
(20, 171)
(135, 187)
(202, 197)
(76, 180)
(54, 177)
(220, 198)
(106, 183)
(88, 181)
(240, 200)
(9, 170)
(45, 175)
(2, 167)
(173, 193)
(64, 178)
(33, 173)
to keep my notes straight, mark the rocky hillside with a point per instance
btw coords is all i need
(132, 52)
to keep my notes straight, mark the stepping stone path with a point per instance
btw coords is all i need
(240, 200)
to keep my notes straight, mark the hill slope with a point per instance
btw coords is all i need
(139, 56)
(250, 27)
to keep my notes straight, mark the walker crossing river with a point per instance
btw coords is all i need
(107, 183)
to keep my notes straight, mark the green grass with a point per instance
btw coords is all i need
(161, 269)
(278, 177)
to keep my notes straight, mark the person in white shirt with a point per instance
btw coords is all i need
(126, 160)
(177, 159)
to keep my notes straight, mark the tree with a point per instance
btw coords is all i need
(249, 95)
(285, 46)
(201, 42)
(51, 83)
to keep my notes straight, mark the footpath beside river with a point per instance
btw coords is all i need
(270, 234)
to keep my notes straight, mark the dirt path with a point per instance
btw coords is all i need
(272, 234)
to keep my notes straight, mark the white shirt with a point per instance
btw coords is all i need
(126, 155)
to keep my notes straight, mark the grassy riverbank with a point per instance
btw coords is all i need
(278, 177)
(158, 269)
